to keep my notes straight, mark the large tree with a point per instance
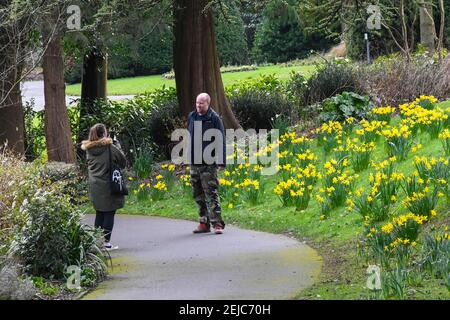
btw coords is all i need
(196, 62)
(11, 112)
(101, 21)
(90, 42)
(20, 22)
(57, 128)
(15, 26)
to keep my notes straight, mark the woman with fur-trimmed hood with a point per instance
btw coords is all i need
(97, 149)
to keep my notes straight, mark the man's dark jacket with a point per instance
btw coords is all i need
(209, 120)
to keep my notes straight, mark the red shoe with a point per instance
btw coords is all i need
(218, 229)
(202, 228)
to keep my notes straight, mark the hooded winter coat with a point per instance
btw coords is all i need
(98, 161)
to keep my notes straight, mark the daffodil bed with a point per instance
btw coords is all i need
(369, 192)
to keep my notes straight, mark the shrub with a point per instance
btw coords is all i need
(279, 37)
(34, 131)
(12, 173)
(343, 106)
(260, 103)
(44, 231)
(264, 84)
(154, 51)
(394, 81)
(295, 88)
(331, 79)
(53, 238)
(73, 182)
(161, 122)
(258, 111)
(145, 121)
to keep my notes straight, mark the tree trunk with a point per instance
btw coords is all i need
(196, 62)
(11, 110)
(11, 115)
(57, 128)
(441, 29)
(93, 87)
(427, 28)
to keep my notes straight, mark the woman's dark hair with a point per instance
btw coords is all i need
(97, 132)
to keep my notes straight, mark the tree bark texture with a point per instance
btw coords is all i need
(93, 87)
(57, 129)
(11, 109)
(196, 62)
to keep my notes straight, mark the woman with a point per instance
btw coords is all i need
(98, 153)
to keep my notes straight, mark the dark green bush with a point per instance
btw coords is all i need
(73, 183)
(34, 131)
(256, 110)
(258, 102)
(143, 44)
(330, 79)
(145, 121)
(161, 123)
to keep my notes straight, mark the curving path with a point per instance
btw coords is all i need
(35, 90)
(162, 259)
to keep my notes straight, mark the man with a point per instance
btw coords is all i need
(204, 171)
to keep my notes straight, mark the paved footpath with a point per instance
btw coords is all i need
(35, 90)
(161, 258)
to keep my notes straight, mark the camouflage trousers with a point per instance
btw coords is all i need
(205, 186)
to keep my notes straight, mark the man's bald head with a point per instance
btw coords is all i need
(202, 103)
(204, 96)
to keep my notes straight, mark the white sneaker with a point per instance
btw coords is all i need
(109, 247)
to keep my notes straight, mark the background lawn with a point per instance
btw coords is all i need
(136, 85)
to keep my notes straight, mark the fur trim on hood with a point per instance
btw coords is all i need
(86, 144)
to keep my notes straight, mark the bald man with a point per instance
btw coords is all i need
(204, 178)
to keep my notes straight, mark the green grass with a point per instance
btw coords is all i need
(136, 85)
(444, 104)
